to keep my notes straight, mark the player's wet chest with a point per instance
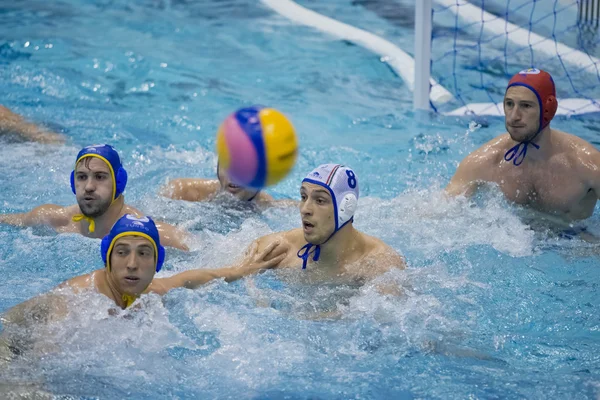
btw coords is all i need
(552, 187)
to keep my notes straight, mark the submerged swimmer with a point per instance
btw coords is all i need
(98, 181)
(14, 124)
(548, 170)
(192, 189)
(328, 243)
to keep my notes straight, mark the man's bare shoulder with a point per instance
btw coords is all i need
(576, 146)
(478, 166)
(264, 197)
(55, 215)
(580, 155)
(127, 209)
(292, 237)
(71, 210)
(81, 282)
(490, 152)
(381, 250)
(190, 189)
(195, 183)
(52, 208)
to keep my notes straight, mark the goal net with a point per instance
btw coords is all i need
(477, 45)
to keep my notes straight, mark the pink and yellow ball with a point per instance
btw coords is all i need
(256, 146)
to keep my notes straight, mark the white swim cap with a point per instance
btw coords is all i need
(342, 184)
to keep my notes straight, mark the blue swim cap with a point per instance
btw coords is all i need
(129, 225)
(109, 155)
(342, 184)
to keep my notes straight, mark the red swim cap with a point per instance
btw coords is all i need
(541, 83)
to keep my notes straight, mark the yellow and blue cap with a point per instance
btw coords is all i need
(129, 225)
(109, 155)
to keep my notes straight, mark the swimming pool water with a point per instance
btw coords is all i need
(494, 307)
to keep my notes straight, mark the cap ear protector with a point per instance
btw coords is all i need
(549, 110)
(347, 208)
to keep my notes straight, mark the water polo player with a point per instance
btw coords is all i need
(533, 164)
(256, 147)
(132, 254)
(328, 242)
(98, 181)
(198, 189)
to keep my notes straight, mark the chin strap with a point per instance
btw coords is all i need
(254, 196)
(128, 299)
(90, 220)
(517, 154)
(305, 250)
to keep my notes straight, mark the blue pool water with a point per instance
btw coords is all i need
(495, 306)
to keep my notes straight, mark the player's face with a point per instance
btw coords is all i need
(236, 190)
(317, 212)
(522, 113)
(93, 186)
(132, 264)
